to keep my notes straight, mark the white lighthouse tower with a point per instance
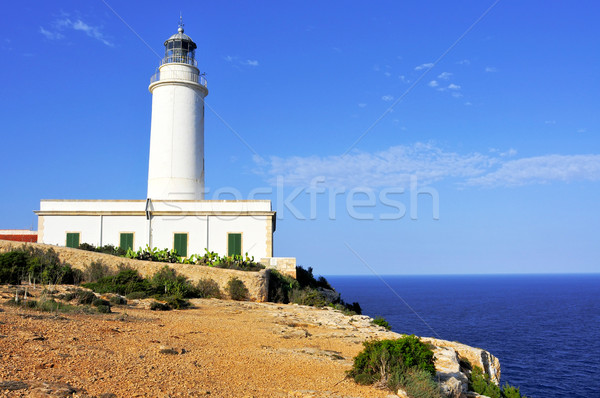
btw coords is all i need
(176, 167)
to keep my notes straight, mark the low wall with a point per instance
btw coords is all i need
(256, 282)
(285, 265)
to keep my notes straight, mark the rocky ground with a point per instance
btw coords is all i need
(219, 348)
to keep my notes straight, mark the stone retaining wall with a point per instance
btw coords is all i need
(256, 282)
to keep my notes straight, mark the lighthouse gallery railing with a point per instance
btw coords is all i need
(178, 75)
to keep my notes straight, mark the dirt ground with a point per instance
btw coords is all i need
(219, 349)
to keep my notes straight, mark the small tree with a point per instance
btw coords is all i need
(237, 289)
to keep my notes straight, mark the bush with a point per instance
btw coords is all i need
(393, 363)
(167, 282)
(281, 287)
(123, 283)
(308, 296)
(37, 265)
(156, 306)
(96, 271)
(237, 289)
(98, 302)
(379, 320)
(85, 297)
(418, 383)
(480, 383)
(103, 309)
(177, 302)
(306, 278)
(208, 288)
(117, 300)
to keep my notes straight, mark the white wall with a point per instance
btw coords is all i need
(101, 222)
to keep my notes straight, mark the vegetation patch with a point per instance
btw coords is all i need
(403, 363)
(306, 290)
(380, 321)
(208, 288)
(480, 383)
(237, 289)
(36, 265)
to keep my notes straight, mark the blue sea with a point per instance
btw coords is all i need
(544, 329)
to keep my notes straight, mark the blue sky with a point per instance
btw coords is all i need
(437, 137)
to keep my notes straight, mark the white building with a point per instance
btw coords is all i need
(174, 215)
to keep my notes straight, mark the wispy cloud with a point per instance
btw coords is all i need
(444, 75)
(394, 167)
(424, 66)
(362, 105)
(388, 98)
(64, 24)
(453, 86)
(244, 62)
(550, 122)
(51, 35)
(491, 69)
(433, 83)
(464, 62)
(541, 170)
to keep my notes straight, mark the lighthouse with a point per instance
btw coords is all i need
(175, 214)
(176, 164)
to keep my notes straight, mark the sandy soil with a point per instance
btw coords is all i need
(218, 349)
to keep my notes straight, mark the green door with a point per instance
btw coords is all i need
(234, 244)
(126, 241)
(73, 239)
(180, 243)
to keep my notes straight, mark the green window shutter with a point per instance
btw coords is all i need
(73, 239)
(234, 244)
(126, 241)
(180, 243)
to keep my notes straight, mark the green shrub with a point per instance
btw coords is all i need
(85, 297)
(117, 300)
(379, 320)
(123, 283)
(390, 362)
(208, 288)
(281, 287)
(237, 289)
(96, 271)
(418, 383)
(481, 383)
(36, 265)
(177, 302)
(306, 278)
(103, 309)
(98, 302)
(308, 296)
(167, 282)
(156, 306)
(509, 391)
(154, 254)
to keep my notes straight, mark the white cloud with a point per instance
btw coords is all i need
(362, 105)
(424, 66)
(550, 122)
(251, 62)
(403, 79)
(393, 167)
(91, 31)
(491, 69)
(444, 75)
(390, 167)
(464, 62)
(453, 86)
(236, 61)
(387, 98)
(433, 83)
(229, 58)
(581, 130)
(66, 23)
(456, 94)
(541, 170)
(387, 74)
(51, 35)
